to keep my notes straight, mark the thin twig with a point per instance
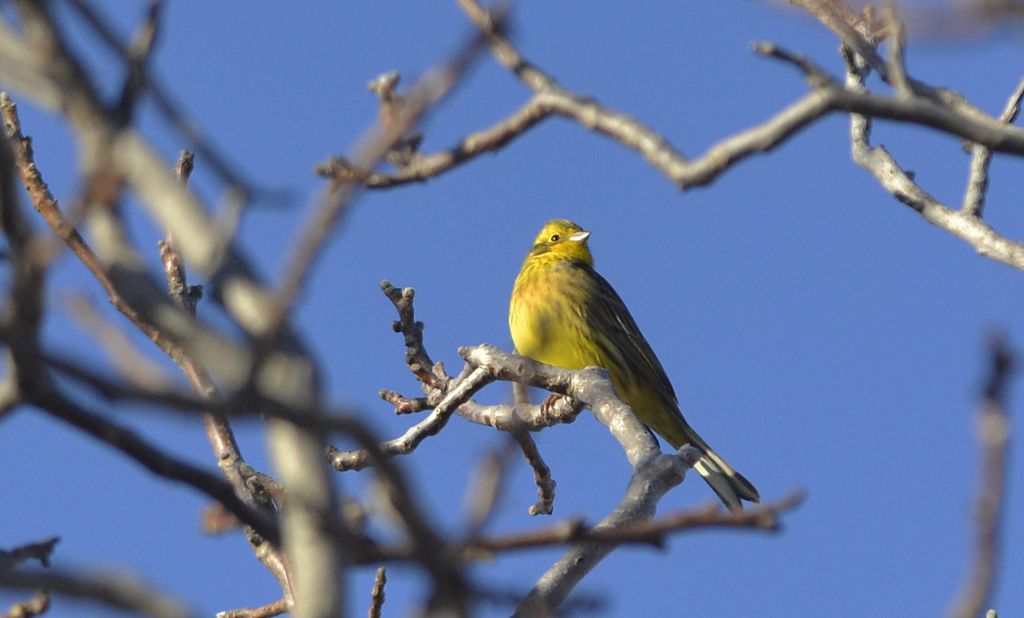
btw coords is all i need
(377, 594)
(40, 550)
(895, 180)
(897, 50)
(165, 103)
(435, 422)
(763, 517)
(541, 473)
(46, 205)
(936, 108)
(977, 181)
(139, 52)
(154, 459)
(994, 439)
(250, 485)
(114, 591)
(381, 139)
(276, 608)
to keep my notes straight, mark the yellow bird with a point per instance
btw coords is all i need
(565, 314)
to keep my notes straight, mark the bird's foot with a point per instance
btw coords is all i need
(549, 403)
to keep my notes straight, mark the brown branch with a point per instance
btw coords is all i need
(424, 167)
(982, 129)
(935, 108)
(994, 438)
(404, 405)
(165, 103)
(138, 54)
(153, 459)
(266, 611)
(377, 594)
(40, 551)
(186, 296)
(918, 103)
(112, 591)
(252, 487)
(763, 517)
(47, 206)
(379, 141)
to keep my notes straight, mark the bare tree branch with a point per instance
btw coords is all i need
(106, 589)
(977, 181)
(377, 594)
(154, 459)
(541, 472)
(287, 375)
(377, 143)
(139, 52)
(994, 438)
(46, 205)
(651, 479)
(266, 611)
(896, 181)
(40, 551)
(655, 532)
(165, 103)
(917, 103)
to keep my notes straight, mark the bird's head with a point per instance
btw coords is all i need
(563, 239)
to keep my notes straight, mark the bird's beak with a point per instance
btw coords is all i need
(580, 236)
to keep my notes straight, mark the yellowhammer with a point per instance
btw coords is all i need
(565, 314)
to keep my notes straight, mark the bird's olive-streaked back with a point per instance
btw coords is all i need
(564, 239)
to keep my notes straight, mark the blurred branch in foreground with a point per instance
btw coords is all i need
(993, 433)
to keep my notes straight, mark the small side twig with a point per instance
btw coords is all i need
(113, 591)
(276, 608)
(655, 532)
(541, 473)
(155, 460)
(165, 103)
(139, 52)
(47, 206)
(377, 594)
(897, 51)
(39, 550)
(186, 296)
(994, 439)
(429, 90)
(977, 181)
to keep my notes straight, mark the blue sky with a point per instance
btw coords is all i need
(819, 333)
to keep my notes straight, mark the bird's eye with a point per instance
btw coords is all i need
(555, 237)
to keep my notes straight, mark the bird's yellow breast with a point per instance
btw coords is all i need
(545, 315)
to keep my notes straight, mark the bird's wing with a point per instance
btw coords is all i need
(607, 314)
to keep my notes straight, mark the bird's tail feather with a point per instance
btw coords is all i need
(731, 486)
